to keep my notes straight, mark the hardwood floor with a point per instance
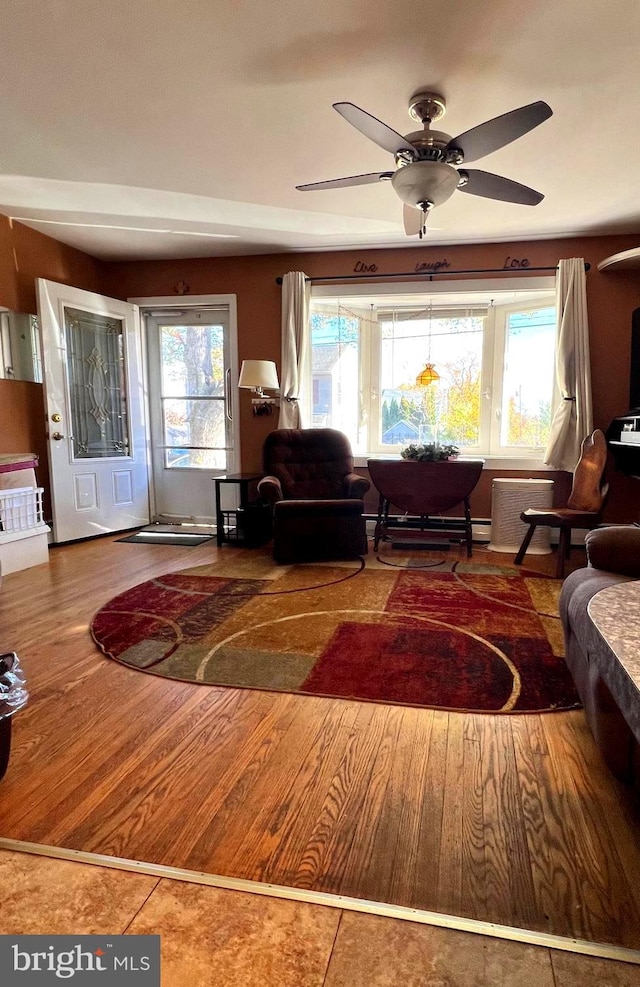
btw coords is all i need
(508, 819)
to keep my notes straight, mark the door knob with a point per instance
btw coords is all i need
(57, 436)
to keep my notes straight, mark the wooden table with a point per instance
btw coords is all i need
(422, 490)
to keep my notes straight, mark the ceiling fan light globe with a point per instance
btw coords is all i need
(425, 181)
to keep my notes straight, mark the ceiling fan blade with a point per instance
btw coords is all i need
(491, 186)
(412, 220)
(374, 129)
(370, 179)
(493, 134)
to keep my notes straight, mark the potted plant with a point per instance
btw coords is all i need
(431, 452)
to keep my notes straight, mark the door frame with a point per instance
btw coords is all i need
(147, 304)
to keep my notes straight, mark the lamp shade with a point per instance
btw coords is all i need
(427, 376)
(258, 374)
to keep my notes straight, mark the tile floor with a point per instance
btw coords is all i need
(213, 937)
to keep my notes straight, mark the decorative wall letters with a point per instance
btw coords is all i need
(432, 265)
(514, 262)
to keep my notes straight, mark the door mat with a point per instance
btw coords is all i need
(166, 538)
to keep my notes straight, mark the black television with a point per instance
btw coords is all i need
(634, 368)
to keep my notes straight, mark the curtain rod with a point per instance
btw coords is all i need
(430, 275)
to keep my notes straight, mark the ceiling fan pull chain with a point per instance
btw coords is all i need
(424, 210)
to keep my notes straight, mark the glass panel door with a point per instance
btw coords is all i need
(96, 380)
(192, 428)
(193, 396)
(95, 405)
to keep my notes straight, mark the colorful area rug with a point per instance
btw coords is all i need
(439, 633)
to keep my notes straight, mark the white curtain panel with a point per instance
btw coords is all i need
(296, 292)
(573, 418)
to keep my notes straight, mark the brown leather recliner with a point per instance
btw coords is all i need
(315, 494)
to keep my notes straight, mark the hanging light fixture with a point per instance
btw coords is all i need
(429, 374)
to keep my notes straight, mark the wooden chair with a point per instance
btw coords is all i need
(584, 506)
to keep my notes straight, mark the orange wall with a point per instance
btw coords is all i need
(612, 297)
(24, 256)
(22, 414)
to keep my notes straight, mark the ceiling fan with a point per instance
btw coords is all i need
(425, 175)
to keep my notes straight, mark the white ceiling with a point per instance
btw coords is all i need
(198, 118)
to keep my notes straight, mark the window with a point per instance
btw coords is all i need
(336, 358)
(524, 419)
(192, 395)
(492, 348)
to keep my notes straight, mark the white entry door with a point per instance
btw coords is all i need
(94, 398)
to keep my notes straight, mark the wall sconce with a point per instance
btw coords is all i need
(256, 375)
